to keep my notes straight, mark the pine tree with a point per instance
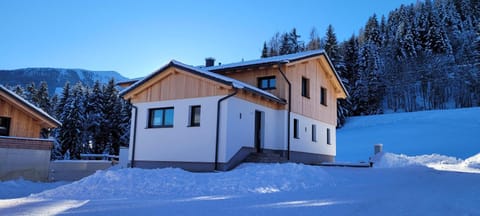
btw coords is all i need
(265, 50)
(42, 98)
(70, 133)
(19, 91)
(30, 93)
(314, 42)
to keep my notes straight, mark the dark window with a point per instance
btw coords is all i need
(295, 128)
(314, 133)
(305, 87)
(195, 116)
(267, 83)
(161, 117)
(328, 136)
(323, 96)
(4, 126)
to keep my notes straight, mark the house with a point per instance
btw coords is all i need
(214, 117)
(23, 153)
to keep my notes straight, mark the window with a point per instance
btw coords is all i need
(4, 126)
(323, 96)
(328, 136)
(161, 117)
(314, 133)
(194, 116)
(305, 87)
(295, 129)
(267, 83)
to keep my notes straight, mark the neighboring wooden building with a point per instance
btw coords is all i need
(23, 153)
(212, 118)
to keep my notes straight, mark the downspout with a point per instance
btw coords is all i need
(217, 135)
(134, 134)
(289, 107)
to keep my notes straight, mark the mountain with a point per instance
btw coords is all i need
(56, 77)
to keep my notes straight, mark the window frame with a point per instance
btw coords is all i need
(323, 96)
(296, 127)
(7, 123)
(163, 124)
(192, 122)
(269, 82)
(305, 87)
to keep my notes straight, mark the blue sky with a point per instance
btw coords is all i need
(135, 37)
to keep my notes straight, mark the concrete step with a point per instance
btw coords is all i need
(262, 157)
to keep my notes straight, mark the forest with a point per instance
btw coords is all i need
(94, 119)
(421, 56)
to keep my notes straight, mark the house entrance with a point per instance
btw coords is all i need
(259, 125)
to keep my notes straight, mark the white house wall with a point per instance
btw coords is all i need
(305, 144)
(240, 115)
(180, 143)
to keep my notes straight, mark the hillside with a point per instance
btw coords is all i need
(446, 132)
(56, 77)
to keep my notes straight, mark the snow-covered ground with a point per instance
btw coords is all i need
(425, 179)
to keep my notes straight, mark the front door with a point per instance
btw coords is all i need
(258, 131)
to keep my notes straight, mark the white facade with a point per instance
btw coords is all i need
(180, 142)
(183, 143)
(305, 143)
(237, 128)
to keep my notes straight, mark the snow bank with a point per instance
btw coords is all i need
(473, 162)
(390, 160)
(20, 188)
(248, 178)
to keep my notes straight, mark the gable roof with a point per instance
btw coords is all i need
(282, 59)
(206, 74)
(46, 117)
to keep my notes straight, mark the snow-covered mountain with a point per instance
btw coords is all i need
(56, 77)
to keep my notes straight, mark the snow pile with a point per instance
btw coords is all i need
(473, 162)
(248, 178)
(390, 160)
(21, 187)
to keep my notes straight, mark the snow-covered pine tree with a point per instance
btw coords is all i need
(42, 98)
(18, 89)
(70, 133)
(30, 93)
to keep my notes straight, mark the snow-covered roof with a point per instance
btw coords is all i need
(270, 60)
(283, 59)
(30, 105)
(208, 74)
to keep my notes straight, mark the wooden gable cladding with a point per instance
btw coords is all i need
(175, 83)
(22, 123)
(251, 75)
(312, 70)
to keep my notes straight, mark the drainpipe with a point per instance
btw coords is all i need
(134, 134)
(217, 135)
(289, 107)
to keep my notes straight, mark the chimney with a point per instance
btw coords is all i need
(209, 62)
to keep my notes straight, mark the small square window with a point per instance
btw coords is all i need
(4, 126)
(295, 129)
(305, 87)
(161, 117)
(195, 116)
(323, 96)
(267, 83)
